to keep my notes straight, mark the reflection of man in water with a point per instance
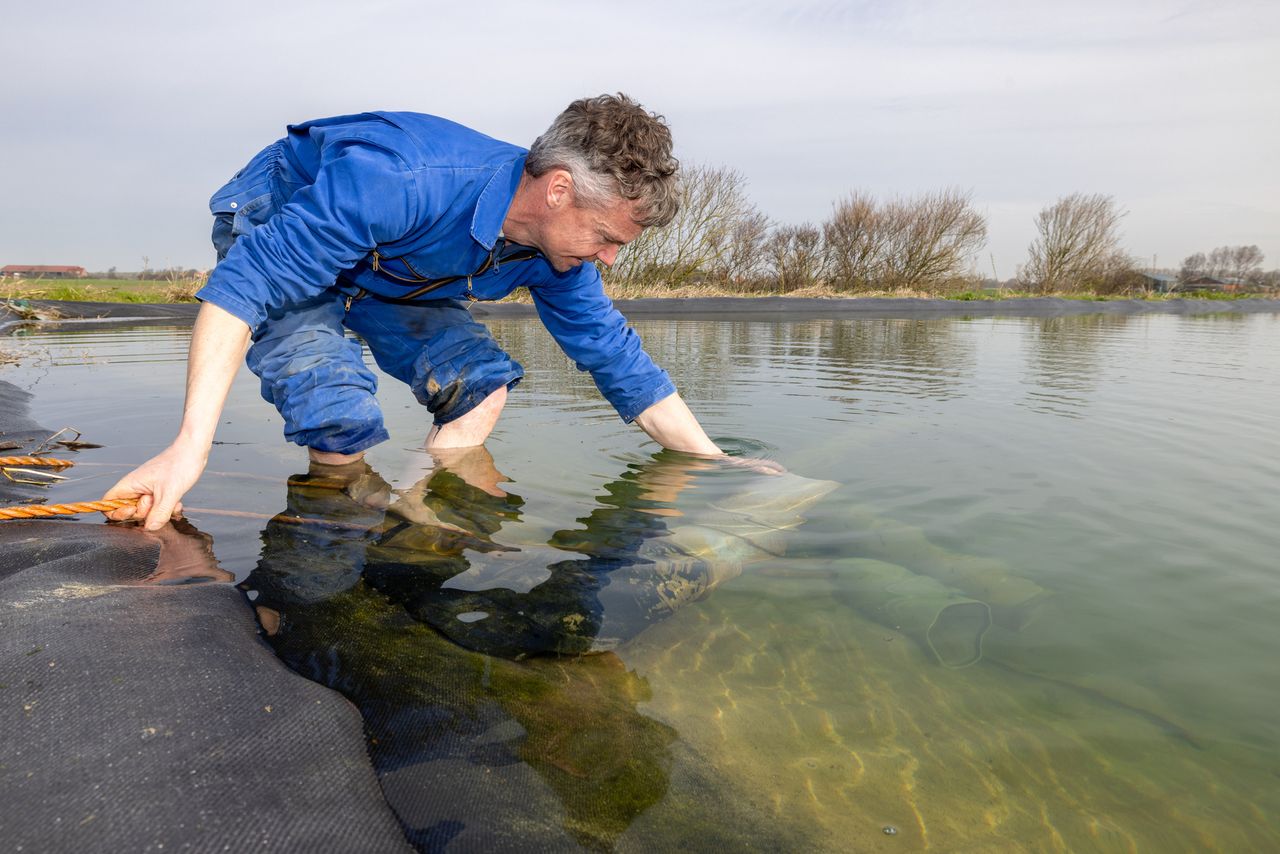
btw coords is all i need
(439, 553)
(389, 224)
(470, 750)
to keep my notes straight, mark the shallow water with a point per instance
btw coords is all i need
(1107, 485)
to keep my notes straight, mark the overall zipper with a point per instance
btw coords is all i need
(491, 261)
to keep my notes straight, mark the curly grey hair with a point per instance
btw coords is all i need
(615, 150)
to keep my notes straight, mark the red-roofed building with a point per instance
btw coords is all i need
(42, 271)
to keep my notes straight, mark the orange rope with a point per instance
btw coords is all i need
(35, 461)
(35, 511)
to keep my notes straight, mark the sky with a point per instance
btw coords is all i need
(120, 119)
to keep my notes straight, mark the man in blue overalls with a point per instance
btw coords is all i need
(388, 224)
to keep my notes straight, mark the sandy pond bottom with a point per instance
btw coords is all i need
(1104, 486)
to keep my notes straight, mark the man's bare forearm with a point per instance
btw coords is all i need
(218, 342)
(670, 423)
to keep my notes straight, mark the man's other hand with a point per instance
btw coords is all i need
(159, 485)
(755, 464)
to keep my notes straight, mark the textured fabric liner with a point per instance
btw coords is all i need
(145, 717)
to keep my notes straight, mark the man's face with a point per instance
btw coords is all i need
(573, 235)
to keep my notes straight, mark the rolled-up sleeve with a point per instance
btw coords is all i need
(595, 335)
(363, 195)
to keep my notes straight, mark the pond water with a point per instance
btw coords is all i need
(1019, 591)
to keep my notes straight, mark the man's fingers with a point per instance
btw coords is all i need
(134, 511)
(158, 486)
(123, 489)
(159, 515)
(144, 506)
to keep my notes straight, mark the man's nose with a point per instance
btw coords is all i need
(608, 255)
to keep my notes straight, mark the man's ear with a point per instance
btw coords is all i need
(559, 189)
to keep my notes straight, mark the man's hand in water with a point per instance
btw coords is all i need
(159, 485)
(756, 464)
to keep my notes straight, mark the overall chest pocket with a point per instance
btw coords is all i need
(252, 214)
(246, 201)
(228, 226)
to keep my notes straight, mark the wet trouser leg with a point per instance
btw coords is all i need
(316, 377)
(449, 360)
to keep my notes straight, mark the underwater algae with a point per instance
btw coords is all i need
(575, 720)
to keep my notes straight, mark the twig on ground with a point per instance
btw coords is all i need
(47, 445)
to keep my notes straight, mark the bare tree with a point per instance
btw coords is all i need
(739, 258)
(715, 234)
(795, 256)
(1193, 267)
(855, 240)
(1078, 243)
(934, 235)
(1242, 263)
(1236, 262)
(1220, 262)
(903, 243)
(1121, 276)
(1248, 263)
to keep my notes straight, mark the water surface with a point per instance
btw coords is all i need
(1107, 485)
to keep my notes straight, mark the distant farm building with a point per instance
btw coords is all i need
(1161, 283)
(42, 271)
(1218, 283)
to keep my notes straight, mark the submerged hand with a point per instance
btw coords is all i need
(159, 485)
(756, 464)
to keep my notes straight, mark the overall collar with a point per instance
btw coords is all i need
(494, 201)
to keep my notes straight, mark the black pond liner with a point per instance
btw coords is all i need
(138, 716)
